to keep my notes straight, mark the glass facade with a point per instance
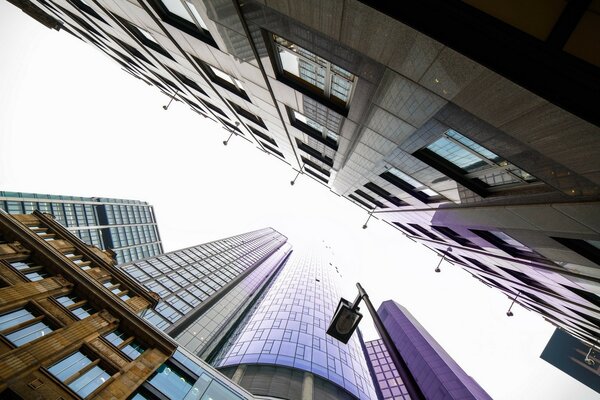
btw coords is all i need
(388, 379)
(128, 227)
(186, 278)
(286, 327)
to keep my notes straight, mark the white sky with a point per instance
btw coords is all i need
(72, 122)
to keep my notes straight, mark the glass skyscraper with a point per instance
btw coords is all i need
(256, 310)
(128, 227)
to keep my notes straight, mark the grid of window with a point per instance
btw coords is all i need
(287, 327)
(313, 72)
(388, 379)
(80, 373)
(185, 278)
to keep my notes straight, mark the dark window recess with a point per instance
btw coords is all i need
(313, 173)
(315, 166)
(581, 247)
(592, 320)
(426, 232)
(527, 280)
(385, 194)
(214, 108)
(137, 32)
(87, 9)
(264, 136)
(158, 84)
(310, 131)
(454, 236)
(273, 150)
(399, 183)
(227, 84)
(194, 105)
(188, 82)
(451, 256)
(482, 266)
(315, 153)
(182, 24)
(231, 126)
(452, 171)
(496, 284)
(406, 229)
(591, 297)
(359, 201)
(132, 50)
(537, 300)
(170, 83)
(248, 115)
(83, 23)
(126, 60)
(370, 199)
(521, 252)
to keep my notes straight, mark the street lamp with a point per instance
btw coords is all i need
(345, 321)
(368, 218)
(510, 313)
(588, 360)
(231, 134)
(297, 175)
(172, 97)
(437, 269)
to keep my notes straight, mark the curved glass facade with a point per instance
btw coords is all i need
(287, 327)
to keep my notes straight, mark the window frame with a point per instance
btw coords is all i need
(416, 192)
(182, 24)
(37, 317)
(303, 86)
(140, 34)
(321, 136)
(236, 89)
(471, 180)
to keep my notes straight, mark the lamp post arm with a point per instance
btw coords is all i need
(407, 377)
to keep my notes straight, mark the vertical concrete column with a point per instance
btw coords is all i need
(238, 374)
(307, 386)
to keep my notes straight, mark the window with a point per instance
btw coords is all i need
(84, 6)
(313, 173)
(313, 129)
(509, 245)
(183, 15)
(385, 194)
(406, 229)
(313, 152)
(454, 236)
(589, 249)
(307, 72)
(411, 186)
(171, 381)
(22, 326)
(76, 306)
(145, 37)
(315, 166)
(223, 79)
(125, 344)
(231, 126)
(80, 373)
(214, 108)
(472, 165)
(370, 199)
(273, 150)
(248, 115)
(425, 232)
(362, 203)
(188, 82)
(263, 136)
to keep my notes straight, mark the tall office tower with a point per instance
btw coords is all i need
(574, 358)
(204, 288)
(127, 227)
(69, 325)
(435, 372)
(437, 116)
(280, 348)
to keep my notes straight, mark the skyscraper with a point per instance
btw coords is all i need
(256, 310)
(69, 325)
(436, 373)
(435, 116)
(280, 348)
(127, 227)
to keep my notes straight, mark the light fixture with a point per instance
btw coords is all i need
(368, 218)
(172, 97)
(437, 269)
(225, 142)
(588, 359)
(292, 182)
(345, 321)
(509, 313)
